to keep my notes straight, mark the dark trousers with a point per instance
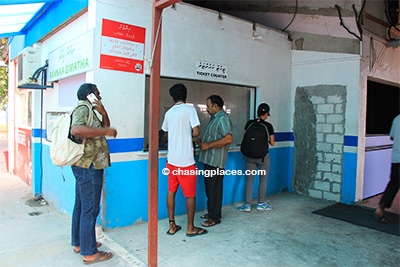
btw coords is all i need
(392, 187)
(89, 183)
(213, 186)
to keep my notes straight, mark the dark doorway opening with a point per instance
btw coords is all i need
(382, 107)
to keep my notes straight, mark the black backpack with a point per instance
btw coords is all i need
(255, 140)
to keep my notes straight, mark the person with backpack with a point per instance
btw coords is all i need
(259, 134)
(89, 172)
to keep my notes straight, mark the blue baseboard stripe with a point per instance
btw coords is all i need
(122, 145)
(125, 145)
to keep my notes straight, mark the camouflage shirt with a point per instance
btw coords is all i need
(96, 148)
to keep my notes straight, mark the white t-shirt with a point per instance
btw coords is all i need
(179, 121)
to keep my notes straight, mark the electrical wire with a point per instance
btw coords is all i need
(344, 26)
(358, 17)
(294, 15)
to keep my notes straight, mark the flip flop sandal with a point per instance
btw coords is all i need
(209, 223)
(177, 228)
(102, 256)
(205, 216)
(200, 231)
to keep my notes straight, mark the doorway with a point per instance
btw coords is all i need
(382, 108)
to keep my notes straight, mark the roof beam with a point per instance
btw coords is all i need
(161, 4)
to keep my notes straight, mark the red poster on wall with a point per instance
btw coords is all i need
(122, 46)
(23, 158)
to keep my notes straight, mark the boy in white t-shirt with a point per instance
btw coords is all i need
(181, 124)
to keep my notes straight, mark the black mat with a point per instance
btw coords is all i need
(362, 216)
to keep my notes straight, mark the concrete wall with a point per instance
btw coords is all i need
(318, 129)
(325, 119)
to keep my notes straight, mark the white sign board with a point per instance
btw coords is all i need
(210, 70)
(72, 58)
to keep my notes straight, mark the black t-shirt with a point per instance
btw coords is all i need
(269, 126)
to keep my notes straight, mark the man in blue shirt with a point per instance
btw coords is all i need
(213, 153)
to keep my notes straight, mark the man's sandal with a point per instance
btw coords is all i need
(177, 227)
(209, 223)
(205, 216)
(101, 256)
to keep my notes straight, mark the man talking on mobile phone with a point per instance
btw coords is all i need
(89, 173)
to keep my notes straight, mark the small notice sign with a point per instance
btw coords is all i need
(122, 47)
(211, 70)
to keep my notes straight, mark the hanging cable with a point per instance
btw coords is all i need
(41, 71)
(358, 17)
(344, 26)
(150, 61)
(294, 15)
(372, 54)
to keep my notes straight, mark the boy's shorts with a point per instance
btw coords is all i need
(184, 176)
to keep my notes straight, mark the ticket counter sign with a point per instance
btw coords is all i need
(211, 70)
(122, 47)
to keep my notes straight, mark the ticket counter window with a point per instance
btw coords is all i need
(238, 103)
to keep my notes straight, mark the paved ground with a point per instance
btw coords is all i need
(290, 235)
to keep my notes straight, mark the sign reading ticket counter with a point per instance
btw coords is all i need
(211, 70)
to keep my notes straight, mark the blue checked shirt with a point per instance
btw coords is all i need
(220, 125)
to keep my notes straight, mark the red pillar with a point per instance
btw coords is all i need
(154, 110)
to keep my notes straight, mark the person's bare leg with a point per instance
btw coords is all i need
(171, 211)
(190, 208)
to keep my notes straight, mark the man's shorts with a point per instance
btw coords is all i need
(184, 176)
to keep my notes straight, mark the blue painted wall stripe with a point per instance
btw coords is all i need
(350, 140)
(284, 136)
(349, 175)
(122, 145)
(37, 132)
(125, 145)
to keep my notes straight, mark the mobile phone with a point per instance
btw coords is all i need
(92, 98)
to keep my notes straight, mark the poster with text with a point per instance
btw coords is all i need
(23, 159)
(122, 47)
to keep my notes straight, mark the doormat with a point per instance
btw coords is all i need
(361, 216)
